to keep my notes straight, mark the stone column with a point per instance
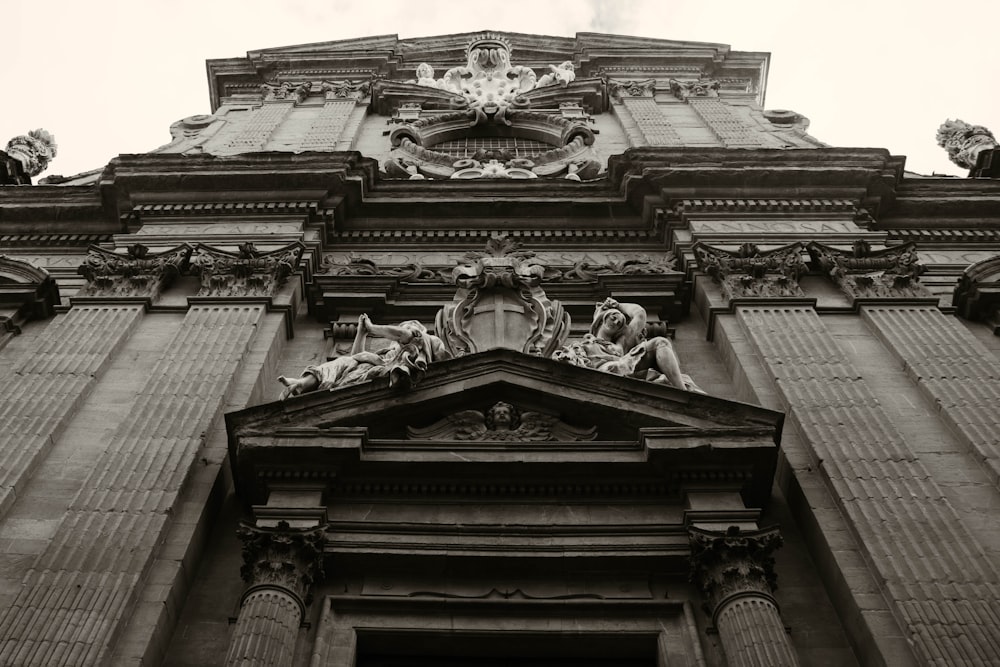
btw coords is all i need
(652, 128)
(703, 97)
(911, 536)
(735, 572)
(280, 565)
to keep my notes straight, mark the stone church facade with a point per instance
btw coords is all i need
(498, 349)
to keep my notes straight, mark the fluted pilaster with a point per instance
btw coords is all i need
(652, 127)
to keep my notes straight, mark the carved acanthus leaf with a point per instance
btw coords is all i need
(138, 273)
(282, 557)
(247, 272)
(640, 265)
(361, 266)
(502, 422)
(863, 273)
(736, 562)
(751, 272)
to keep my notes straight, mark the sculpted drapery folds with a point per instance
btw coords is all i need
(617, 344)
(412, 348)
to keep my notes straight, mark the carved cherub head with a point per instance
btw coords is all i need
(425, 71)
(502, 417)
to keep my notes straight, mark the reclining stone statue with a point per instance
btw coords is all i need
(404, 361)
(617, 344)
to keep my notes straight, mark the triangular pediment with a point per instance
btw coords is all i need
(617, 406)
(595, 419)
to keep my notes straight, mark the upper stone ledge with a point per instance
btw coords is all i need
(388, 56)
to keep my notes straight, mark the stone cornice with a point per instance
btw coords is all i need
(868, 176)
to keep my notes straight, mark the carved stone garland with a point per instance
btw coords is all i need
(735, 573)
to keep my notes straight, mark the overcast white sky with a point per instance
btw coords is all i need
(110, 76)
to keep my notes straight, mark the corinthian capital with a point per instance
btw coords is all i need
(247, 272)
(682, 90)
(751, 272)
(33, 150)
(863, 273)
(346, 90)
(290, 559)
(732, 564)
(624, 89)
(286, 91)
(139, 273)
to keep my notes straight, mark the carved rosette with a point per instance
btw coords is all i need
(751, 272)
(733, 564)
(623, 89)
(682, 90)
(139, 273)
(33, 150)
(247, 272)
(284, 558)
(863, 273)
(500, 304)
